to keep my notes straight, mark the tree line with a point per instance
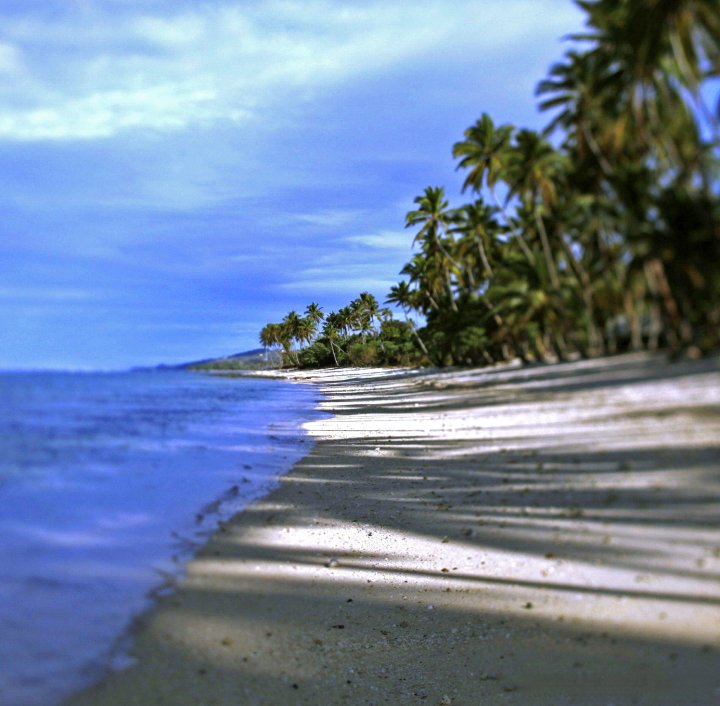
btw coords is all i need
(359, 334)
(598, 234)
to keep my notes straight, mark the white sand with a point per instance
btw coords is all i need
(544, 535)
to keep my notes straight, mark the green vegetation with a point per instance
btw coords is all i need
(250, 360)
(360, 334)
(600, 234)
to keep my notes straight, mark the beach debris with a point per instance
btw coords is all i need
(528, 606)
(332, 563)
(226, 642)
(445, 701)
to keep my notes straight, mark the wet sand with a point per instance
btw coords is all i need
(538, 535)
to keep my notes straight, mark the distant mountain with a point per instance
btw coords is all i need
(248, 360)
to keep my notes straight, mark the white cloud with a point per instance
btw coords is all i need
(384, 240)
(333, 274)
(102, 114)
(94, 73)
(351, 286)
(43, 294)
(330, 218)
(10, 59)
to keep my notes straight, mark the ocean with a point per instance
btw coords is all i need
(108, 484)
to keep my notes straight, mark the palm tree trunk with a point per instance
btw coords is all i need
(549, 260)
(677, 333)
(484, 259)
(516, 231)
(583, 279)
(630, 306)
(416, 334)
(332, 349)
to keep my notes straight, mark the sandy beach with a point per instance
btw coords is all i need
(520, 535)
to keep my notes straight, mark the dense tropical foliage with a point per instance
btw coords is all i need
(359, 334)
(600, 234)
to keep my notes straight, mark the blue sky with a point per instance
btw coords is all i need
(177, 174)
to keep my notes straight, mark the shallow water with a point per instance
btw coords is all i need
(108, 482)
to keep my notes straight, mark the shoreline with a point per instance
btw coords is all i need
(516, 535)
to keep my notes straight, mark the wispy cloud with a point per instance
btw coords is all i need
(348, 279)
(384, 240)
(44, 294)
(92, 73)
(10, 59)
(349, 286)
(330, 218)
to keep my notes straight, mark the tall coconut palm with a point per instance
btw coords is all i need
(661, 49)
(581, 89)
(314, 313)
(306, 330)
(430, 282)
(406, 299)
(477, 224)
(270, 335)
(483, 153)
(534, 169)
(434, 216)
(332, 331)
(370, 307)
(362, 317)
(479, 231)
(291, 329)
(345, 320)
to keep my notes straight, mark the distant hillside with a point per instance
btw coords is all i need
(256, 359)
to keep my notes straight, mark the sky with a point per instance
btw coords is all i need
(175, 175)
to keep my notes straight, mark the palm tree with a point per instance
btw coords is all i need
(483, 152)
(270, 335)
(581, 88)
(434, 217)
(370, 307)
(306, 330)
(345, 320)
(424, 274)
(291, 330)
(534, 168)
(477, 225)
(406, 299)
(314, 312)
(660, 52)
(331, 331)
(361, 317)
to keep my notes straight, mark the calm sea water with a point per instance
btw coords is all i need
(108, 482)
